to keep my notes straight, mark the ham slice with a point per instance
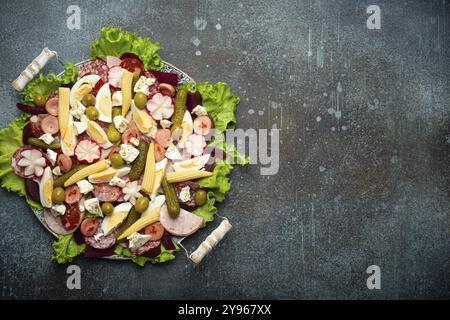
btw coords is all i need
(184, 225)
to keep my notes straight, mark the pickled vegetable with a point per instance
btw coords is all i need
(59, 182)
(113, 134)
(116, 112)
(200, 197)
(138, 165)
(180, 109)
(92, 113)
(132, 217)
(107, 208)
(41, 144)
(140, 100)
(141, 204)
(39, 101)
(173, 207)
(58, 195)
(88, 100)
(117, 161)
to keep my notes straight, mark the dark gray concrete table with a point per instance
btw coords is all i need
(363, 176)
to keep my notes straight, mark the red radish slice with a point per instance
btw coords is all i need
(72, 194)
(29, 162)
(51, 106)
(160, 106)
(64, 162)
(115, 76)
(164, 137)
(195, 144)
(203, 125)
(87, 151)
(113, 61)
(50, 124)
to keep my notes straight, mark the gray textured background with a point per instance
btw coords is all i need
(367, 184)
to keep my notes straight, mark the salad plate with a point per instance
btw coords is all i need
(121, 156)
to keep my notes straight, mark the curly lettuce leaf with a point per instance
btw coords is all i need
(66, 249)
(10, 141)
(208, 210)
(164, 256)
(35, 205)
(115, 42)
(219, 102)
(47, 85)
(219, 183)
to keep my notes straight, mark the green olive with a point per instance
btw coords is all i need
(107, 208)
(141, 204)
(92, 113)
(117, 161)
(88, 100)
(116, 112)
(136, 76)
(200, 197)
(113, 134)
(140, 100)
(39, 101)
(58, 195)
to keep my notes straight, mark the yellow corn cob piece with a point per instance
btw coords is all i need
(87, 171)
(187, 175)
(63, 109)
(141, 223)
(149, 173)
(127, 79)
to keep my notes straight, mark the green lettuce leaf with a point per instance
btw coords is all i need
(115, 42)
(66, 249)
(35, 205)
(219, 183)
(47, 85)
(10, 141)
(164, 256)
(219, 102)
(208, 210)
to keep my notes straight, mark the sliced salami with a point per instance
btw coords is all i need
(54, 223)
(104, 241)
(192, 188)
(97, 67)
(106, 193)
(147, 248)
(71, 220)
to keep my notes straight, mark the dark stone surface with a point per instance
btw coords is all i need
(366, 185)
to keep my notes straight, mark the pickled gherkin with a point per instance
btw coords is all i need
(59, 182)
(138, 166)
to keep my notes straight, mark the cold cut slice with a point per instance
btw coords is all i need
(97, 67)
(148, 248)
(106, 193)
(104, 241)
(184, 225)
(54, 223)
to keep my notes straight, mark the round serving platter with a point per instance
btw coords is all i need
(183, 78)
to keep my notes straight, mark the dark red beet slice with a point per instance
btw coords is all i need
(130, 56)
(30, 109)
(166, 77)
(153, 252)
(78, 237)
(193, 100)
(167, 242)
(32, 189)
(91, 252)
(26, 133)
(97, 87)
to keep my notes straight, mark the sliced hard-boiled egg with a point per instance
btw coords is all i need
(69, 140)
(160, 168)
(91, 80)
(157, 202)
(46, 188)
(103, 103)
(188, 128)
(118, 215)
(196, 163)
(144, 122)
(108, 174)
(96, 133)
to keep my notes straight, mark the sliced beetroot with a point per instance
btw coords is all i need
(153, 252)
(26, 133)
(130, 55)
(78, 237)
(193, 100)
(32, 189)
(167, 241)
(91, 252)
(166, 77)
(30, 109)
(97, 87)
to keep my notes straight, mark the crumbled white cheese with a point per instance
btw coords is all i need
(57, 171)
(143, 85)
(173, 153)
(80, 126)
(52, 156)
(120, 123)
(128, 152)
(93, 206)
(134, 141)
(138, 240)
(116, 181)
(85, 186)
(58, 210)
(185, 194)
(78, 112)
(166, 124)
(81, 208)
(98, 236)
(199, 111)
(116, 98)
(47, 138)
